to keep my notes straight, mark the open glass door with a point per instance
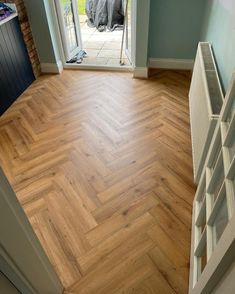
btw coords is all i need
(129, 29)
(67, 11)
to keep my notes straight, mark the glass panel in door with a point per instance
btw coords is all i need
(128, 28)
(67, 12)
(68, 15)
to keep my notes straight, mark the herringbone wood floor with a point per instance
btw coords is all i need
(101, 164)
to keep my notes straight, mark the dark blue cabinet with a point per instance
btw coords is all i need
(16, 72)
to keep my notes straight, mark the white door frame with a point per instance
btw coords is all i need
(91, 67)
(131, 54)
(63, 34)
(22, 258)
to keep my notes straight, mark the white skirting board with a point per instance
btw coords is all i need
(141, 72)
(56, 68)
(169, 63)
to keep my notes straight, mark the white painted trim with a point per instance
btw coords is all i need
(60, 66)
(141, 72)
(56, 68)
(84, 66)
(170, 63)
(63, 32)
(132, 30)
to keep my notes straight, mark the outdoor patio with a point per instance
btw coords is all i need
(102, 48)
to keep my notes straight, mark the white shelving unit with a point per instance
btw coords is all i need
(214, 203)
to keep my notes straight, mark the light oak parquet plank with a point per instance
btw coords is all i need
(99, 252)
(154, 284)
(175, 276)
(101, 164)
(113, 276)
(122, 220)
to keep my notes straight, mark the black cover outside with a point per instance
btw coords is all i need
(105, 13)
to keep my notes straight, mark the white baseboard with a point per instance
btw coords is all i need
(56, 68)
(169, 63)
(141, 72)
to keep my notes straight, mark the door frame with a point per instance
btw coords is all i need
(22, 258)
(64, 39)
(131, 54)
(59, 42)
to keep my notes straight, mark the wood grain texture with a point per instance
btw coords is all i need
(102, 166)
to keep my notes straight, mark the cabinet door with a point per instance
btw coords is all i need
(15, 68)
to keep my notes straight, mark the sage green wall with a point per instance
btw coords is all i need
(142, 29)
(40, 28)
(51, 25)
(219, 29)
(175, 28)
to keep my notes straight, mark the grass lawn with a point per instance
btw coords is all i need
(81, 6)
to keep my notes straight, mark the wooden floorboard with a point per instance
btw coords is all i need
(102, 166)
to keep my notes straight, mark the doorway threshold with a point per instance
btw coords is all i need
(125, 68)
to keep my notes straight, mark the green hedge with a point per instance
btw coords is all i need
(81, 6)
